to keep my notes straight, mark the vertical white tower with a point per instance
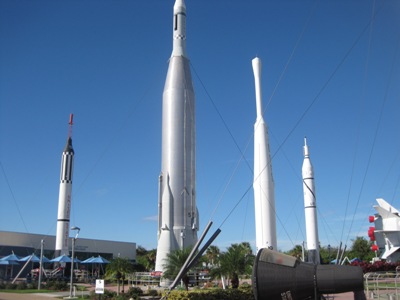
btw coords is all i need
(263, 184)
(64, 198)
(177, 211)
(310, 207)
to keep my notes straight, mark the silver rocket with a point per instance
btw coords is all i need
(64, 198)
(310, 207)
(177, 211)
(263, 184)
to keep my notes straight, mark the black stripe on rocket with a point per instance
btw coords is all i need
(67, 163)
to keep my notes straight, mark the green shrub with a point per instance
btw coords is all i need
(10, 286)
(31, 286)
(135, 291)
(108, 295)
(242, 293)
(21, 286)
(57, 285)
(152, 293)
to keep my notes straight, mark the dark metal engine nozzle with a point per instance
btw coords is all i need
(280, 276)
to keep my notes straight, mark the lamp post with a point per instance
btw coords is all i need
(72, 260)
(329, 253)
(40, 264)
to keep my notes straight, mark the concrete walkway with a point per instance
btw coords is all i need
(32, 296)
(43, 296)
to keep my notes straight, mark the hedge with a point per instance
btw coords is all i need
(244, 292)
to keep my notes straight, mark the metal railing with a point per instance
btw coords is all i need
(153, 278)
(143, 278)
(382, 285)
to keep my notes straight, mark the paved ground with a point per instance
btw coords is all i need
(44, 296)
(38, 296)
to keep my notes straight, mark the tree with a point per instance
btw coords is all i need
(237, 260)
(212, 255)
(297, 251)
(361, 249)
(118, 268)
(151, 259)
(140, 265)
(174, 263)
(146, 259)
(141, 251)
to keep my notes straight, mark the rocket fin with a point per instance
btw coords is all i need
(167, 205)
(387, 206)
(384, 213)
(389, 252)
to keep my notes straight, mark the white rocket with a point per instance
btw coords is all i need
(386, 231)
(263, 184)
(177, 211)
(64, 198)
(310, 207)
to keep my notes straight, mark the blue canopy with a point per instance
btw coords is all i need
(100, 260)
(62, 258)
(35, 258)
(11, 257)
(88, 261)
(96, 260)
(65, 259)
(8, 262)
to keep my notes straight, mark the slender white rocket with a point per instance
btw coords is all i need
(64, 198)
(263, 184)
(310, 207)
(177, 211)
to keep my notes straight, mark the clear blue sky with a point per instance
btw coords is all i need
(327, 75)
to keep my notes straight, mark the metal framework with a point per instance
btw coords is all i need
(382, 285)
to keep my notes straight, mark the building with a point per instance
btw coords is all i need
(24, 244)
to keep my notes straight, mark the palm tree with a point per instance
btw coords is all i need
(118, 268)
(212, 255)
(174, 263)
(237, 260)
(151, 258)
(146, 259)
(297, 251)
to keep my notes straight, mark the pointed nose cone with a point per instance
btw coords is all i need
(306, 152)
(180, 6)
(179, 29)
(257, 65)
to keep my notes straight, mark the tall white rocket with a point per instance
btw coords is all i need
(310, 207)
(64, 198)
(177, 211)
(263, 184)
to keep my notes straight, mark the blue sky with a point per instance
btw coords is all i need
(329, 73)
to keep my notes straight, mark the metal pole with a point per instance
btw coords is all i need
(23, 268)
(40, 264)
(191, 255)
(72, 268)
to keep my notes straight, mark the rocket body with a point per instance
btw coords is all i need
(177, 211)
(64, 199)
(263, 184)
(310, 207)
